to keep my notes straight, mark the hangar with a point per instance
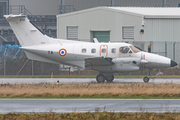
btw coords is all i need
(141, 26)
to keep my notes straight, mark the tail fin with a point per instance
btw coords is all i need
(26, 33)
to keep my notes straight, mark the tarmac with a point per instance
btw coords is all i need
(88, 105)
(83, 80)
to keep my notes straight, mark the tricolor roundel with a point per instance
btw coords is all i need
(62, 52)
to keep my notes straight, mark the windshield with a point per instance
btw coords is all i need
(134, 49)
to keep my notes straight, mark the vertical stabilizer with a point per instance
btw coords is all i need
(26, 33)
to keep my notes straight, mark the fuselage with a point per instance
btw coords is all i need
(76, 53)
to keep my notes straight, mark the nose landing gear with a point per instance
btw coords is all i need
(102, 77)
(146, 79)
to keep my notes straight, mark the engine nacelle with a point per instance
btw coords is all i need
(121, 65)
(127, 64)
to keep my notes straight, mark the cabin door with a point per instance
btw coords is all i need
(104, 50)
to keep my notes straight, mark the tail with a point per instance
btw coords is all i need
(29, 36)
(26, 33)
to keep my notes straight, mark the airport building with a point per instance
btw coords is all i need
(141, 26)
(54, 7)
(43, 12)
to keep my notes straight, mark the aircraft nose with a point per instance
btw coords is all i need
(173, 63)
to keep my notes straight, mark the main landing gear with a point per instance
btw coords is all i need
(146, 79)
(102, 77)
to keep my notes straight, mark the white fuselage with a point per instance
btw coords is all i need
(76, 56)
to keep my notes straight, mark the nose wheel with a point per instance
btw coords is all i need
(146, 79)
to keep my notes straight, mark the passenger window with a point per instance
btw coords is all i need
(103, 50)
(93, 50)
(130, 51)
(113, 50)
(124, 49)
(49, 52)
(83, 50)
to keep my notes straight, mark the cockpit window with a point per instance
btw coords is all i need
(134, 49)
(124, 49)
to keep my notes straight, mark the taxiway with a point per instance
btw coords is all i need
(83, 80)
(88, 105)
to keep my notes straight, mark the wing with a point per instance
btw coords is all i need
(98, 61)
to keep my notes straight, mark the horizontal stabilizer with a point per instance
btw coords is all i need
(9, 17)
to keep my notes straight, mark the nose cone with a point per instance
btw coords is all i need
(173, 63)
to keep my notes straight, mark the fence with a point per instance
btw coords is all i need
(18, 9)
(66, 9)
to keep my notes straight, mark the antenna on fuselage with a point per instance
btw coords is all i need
(95, 40)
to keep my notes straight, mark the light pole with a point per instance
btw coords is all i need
(164, 3)
(112, 2)
(62, 6)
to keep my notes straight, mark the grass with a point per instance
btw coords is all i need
(91, 90)
(83, 76)
(91, 116)
(92, 97)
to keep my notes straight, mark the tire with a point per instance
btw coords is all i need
(109, 78)
(146, 79)
(100, 78)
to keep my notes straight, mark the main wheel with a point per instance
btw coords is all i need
(100, 78)
(109, 78)
(146, 79)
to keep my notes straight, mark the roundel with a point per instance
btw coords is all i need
(62, 52)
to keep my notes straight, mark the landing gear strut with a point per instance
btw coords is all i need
(146, 79)
(102, 77)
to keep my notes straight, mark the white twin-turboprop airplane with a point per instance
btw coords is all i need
(107, 58)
